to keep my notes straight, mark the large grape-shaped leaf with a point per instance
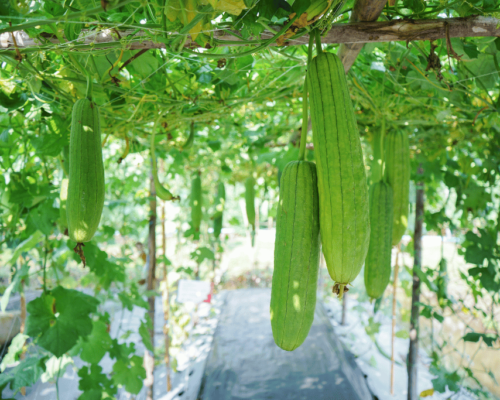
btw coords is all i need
(59, 317)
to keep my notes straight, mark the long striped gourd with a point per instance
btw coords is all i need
(343, 191)
(86, 172)
(250, 204)
(296, 256)
(62, 222)
(190, 140)
(378, 259)
(442, 282)
(220, 201)
(160, 191)
(397, 174)
(196, 205)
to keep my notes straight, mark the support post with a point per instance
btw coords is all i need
(344, 309)
(363, 11)
(415, 298)
(148, 357)
(165, 299)
(394, 308)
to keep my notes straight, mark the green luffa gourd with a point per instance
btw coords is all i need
(220, 201)
(397, 174)
(196, 205)
(250, 204)
(296, 256)
(86, 172)
(342, 186)
(378, 259)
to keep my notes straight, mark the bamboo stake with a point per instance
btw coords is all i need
(415, 296)
(23, 323)
(165, 299)
(394, 306)
(344, 309)
(149, 357)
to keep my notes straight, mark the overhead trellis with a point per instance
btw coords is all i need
(354, 34)
(363, 27)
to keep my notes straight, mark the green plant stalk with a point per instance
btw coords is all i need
(378, 154)
(303, 133)
(161, 191)
(249, 52)
(305, 117)
(164, 19)
(317, 36)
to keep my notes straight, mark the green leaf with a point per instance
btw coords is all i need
(93, 383)
(402, 334)
(15, 349)
(483, 68)
(145, 65)
(24, 374)
(95, 346)
(129, 373)
(444, 379)
(144, 330)
(26, 245)
(417, 6)
(488, 338)
(300, 6)
(372, 328)
(471, 50)
(72, 30)
(20, 274)
(12, 101)
(201, 254)
(59, 317)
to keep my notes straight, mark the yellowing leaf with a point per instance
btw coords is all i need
(172, 10)
(191, 13)
(427, 393)
(234, 7)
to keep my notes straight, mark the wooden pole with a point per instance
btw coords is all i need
(149, 358)
(394, 307)
(350, 33)
(415, 298)
(165, 299)
(344, 309)
(363, 11)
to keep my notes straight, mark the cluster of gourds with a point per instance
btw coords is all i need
(357, 225)
(331, 197)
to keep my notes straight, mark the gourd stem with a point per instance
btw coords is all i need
(305, 116)
(303, 134)
(90, 85)
(310, 50)
(317, 35)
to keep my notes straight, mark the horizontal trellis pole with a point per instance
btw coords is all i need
(359, 32)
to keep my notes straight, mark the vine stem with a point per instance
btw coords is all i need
(267, 43)
(305, 117)
(317, 35)
(303, 134)
(382, 155)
